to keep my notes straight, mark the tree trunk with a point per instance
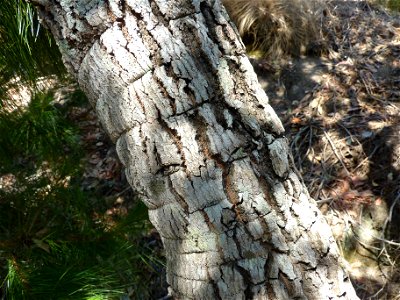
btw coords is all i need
(173, 88)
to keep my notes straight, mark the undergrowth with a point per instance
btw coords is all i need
(56, 240)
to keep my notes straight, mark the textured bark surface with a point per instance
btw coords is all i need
(174, 89)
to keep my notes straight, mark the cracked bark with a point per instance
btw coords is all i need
(173, 88)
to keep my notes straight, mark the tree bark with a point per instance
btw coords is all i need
(173, 88)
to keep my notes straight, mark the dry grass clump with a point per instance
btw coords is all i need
(277, 28)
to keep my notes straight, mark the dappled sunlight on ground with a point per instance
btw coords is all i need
(341, 112)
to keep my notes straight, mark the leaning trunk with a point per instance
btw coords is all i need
(172, 86)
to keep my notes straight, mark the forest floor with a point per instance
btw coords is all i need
(341, 111)
(342, 116)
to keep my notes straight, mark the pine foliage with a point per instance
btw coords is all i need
(56, 241)
(38, 132)
(27, 51)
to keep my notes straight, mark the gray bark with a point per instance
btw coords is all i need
(173, 88)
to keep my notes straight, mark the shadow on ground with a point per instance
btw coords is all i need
(341, 112)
